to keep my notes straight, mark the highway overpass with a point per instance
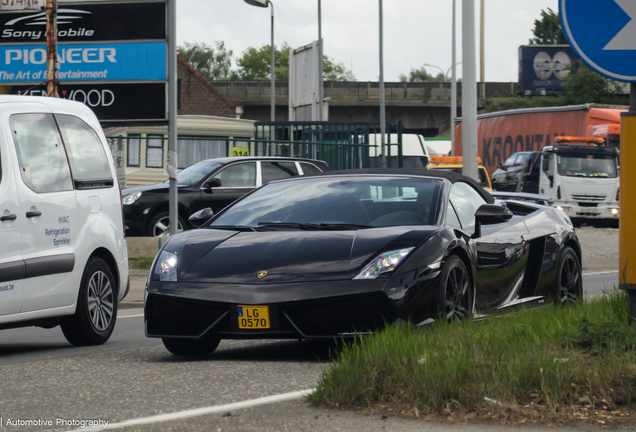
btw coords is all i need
(423, 107)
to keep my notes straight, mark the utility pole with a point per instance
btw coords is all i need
(453, 79)
(469, 91)
(383, 161)
(482, 55)
(320, 97)
(172, 171)
(51, 48)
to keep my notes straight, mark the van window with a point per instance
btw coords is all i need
(85, 150)
(134, 150)
(154, 152)
(43, 163)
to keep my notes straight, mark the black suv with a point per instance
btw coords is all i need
(213, 183)
(507, 175)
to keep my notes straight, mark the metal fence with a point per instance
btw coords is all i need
(142, 159)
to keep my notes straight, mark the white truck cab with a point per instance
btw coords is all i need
(581, 180)
(63, 256)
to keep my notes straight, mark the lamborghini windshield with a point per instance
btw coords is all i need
(329, 202)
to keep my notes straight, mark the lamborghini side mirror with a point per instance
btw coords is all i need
(490, 214)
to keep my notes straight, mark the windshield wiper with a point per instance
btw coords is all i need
(313, 226)
(233, 227)
(341, 226)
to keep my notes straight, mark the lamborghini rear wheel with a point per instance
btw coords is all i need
(455, 293)
(191, 347)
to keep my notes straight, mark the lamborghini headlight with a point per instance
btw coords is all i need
(166, 267)
(383, 263)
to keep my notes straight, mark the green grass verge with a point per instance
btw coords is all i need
(142, 263)
(553, 356)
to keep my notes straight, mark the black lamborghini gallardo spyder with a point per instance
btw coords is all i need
(344, 253)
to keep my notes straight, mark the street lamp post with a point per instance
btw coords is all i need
(264, 4)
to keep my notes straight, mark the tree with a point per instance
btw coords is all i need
(547, 30)
(254, 64)
(332, 71)
(584, 85)
(420, 75)
(212, 63)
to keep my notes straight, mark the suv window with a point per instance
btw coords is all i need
(43, 163)
(510, 161)
(240, 175)
(309, 169)
(278, 170)
(85, 150)
(466, 201)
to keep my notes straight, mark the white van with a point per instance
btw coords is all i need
(415, 153)
(63, 256)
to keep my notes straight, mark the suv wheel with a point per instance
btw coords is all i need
(159, 225)
(96, 312)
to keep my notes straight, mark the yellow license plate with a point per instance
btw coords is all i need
(253, 317)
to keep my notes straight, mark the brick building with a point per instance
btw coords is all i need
(199, 97)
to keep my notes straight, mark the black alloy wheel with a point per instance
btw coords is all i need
(455, 294)
(159, 225)
(191, 347)
(569, 283)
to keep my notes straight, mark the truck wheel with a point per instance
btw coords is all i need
(96, 313)
(191, 347)
(159, 225)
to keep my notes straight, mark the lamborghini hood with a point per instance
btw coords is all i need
(222, 256)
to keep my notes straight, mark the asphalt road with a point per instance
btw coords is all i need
(133, 377)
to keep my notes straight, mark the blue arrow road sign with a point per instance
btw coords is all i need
(603, 34)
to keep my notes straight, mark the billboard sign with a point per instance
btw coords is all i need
(140, 101)
(89, 23)
(542, 68)
(19, 5)
(85, 62)
(112, 56)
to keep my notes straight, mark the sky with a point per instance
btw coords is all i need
(415, 31)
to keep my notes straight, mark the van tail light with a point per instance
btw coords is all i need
(618, 194)
(121, 202)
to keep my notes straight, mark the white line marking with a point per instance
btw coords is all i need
(130, 316)
(160, 418)
(600, 273)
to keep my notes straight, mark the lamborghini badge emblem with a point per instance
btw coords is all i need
(261, 274)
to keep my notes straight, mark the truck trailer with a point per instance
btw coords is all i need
(500, 134)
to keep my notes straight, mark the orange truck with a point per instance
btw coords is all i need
(506, 132)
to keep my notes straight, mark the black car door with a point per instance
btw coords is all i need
(500, 252)
(236, 179)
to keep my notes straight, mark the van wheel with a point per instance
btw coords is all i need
(159, 225)
(96, 312)
(191, 347)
